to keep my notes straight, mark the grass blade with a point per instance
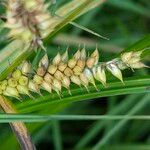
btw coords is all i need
(140, 105)
(42, 118)
(88, 30)
(56, 135)
(132, 85)
(99, 125)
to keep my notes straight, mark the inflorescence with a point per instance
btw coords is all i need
(62, 71)
(29, 21)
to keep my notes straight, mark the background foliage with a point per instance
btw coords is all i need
(125, 23)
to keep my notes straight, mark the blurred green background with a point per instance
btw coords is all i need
(124, 22)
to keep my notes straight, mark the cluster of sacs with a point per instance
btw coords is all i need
(62, 71)
(28, 20)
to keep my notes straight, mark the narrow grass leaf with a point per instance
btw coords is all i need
(99, 125)
(140, 105)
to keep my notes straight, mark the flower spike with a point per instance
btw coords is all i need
(28, 21)
(63, 71)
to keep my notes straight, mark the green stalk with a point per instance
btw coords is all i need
(18, 128)
(56, 135)
(55, 118)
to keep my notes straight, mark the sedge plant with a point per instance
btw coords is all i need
(30, 25)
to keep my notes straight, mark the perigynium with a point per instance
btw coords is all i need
(63, 71)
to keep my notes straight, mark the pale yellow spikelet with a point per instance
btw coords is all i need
(68, 72)
(83, 54)
(1, 91)
(12, 92)
(66, 82)
(12, 82)
(84, 81)
(76, 80)
(52, 69)
(48, 78)
(46, 86)
(16, 74)
(90, 62)
(23, 80)
(37, 79)
(115, 70)
(62, 66)
(57, 59)
(58, 75)
(26, 68)
(90, 77)
(44, 62)
(95, 55)
(81, 63)
(65, 57)
(23, 90)
(99, 74)
(57, 86)
(32, 86)
(126, 56)
(77, 55)
(137, 53)
(77, 70)
(93, 59)
(4, 84)
(41, 71)
(138, 65)
(72, 63)
(133, 59)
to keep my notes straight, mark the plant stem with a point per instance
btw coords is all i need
(18, 128)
